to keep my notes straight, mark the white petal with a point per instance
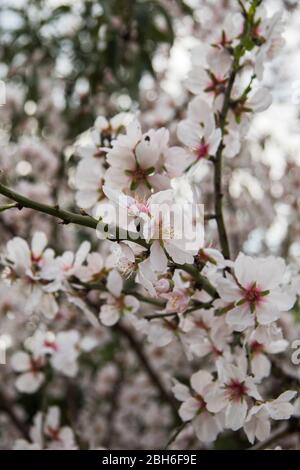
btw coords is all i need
(38, 244)
(20, 361)
(53, 418)
(181, 392)
(207, 427)
(115, 283)
(29, 382)
(189, 409)
(109, 316)
(236, 414)
(200, 380)
(158, 258)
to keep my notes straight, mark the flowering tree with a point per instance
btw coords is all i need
(132, 314)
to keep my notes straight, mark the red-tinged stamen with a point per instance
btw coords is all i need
(200, 401)
(216, 86)
(256, 347)
(35, 259)
(253, 295)
(51, 345)
(200, 324)
(216, 352)
(236, 390)
(202, 151)
(36, 365)
(53, 433)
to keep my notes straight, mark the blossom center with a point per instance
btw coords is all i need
(253, 295)
(236, 390)
(257, 347)
(201, 402)
(141, 207)
(202, 150)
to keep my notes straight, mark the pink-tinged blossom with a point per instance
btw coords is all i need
(206, 425)
(47, 433)
(253, 293)
(115, 302)
(198, 131)
(25, 265)
(258, 424)
(136, 160)
(63, 267)
(232, 392)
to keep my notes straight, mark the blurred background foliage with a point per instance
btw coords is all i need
(93, 48)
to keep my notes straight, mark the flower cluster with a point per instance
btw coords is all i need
(149, 284)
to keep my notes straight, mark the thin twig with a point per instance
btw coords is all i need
(8, 206)
(138, 349)
(7, 407)
(176, 433)
(218, 193)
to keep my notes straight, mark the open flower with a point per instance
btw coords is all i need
(198, 131)
(31, 369)
(25, 265)
(259, 348)
(116, 303)
(64, 267)
(47, 433)
(253, 294)
(232, 393)
(194, 407)
(258, 425)
(135, 159)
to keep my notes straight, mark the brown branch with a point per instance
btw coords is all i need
(7, 407)
(65, 216)
(138, 349)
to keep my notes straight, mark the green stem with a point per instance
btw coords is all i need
(201, 280)
(8, 206)
(68, 217)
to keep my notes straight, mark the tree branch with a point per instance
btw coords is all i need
(201, 280)
(218, 193)
(66, 217)
(138, 349)
(7, 407)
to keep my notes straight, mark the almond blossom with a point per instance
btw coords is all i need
(116, 303)
(25, 265)
(252, 294)
(232, 393)
(148, 175)
(198, 132)
(47, 433)
(207, 426)
(258, 420)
